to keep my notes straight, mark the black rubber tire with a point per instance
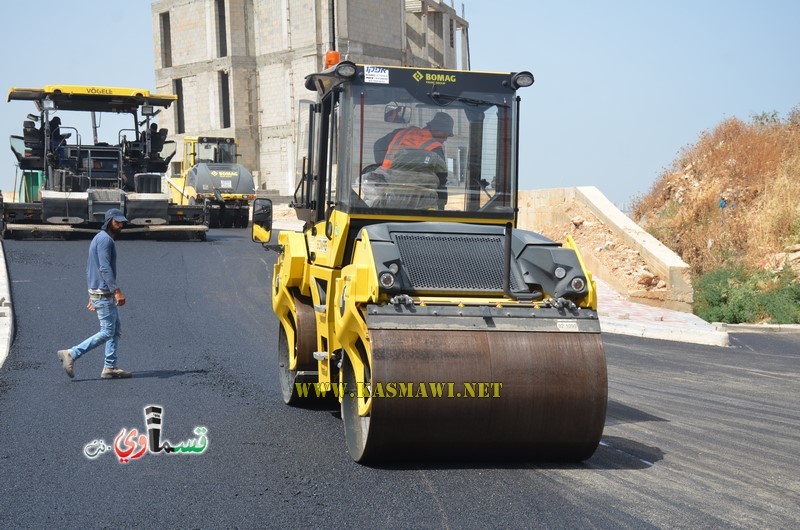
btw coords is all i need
(213, 219)
(244, 222)
(226, 219)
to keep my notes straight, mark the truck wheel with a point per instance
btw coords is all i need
(227, 220)
(213, 219)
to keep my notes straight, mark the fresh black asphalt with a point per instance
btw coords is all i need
(695, 436)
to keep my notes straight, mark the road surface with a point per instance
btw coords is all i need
(695, 436)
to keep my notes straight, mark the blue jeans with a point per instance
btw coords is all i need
(108, 314)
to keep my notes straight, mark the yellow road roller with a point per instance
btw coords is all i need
(410, 295)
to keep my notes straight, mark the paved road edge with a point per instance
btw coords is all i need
(764, 328)
(709, 337)
(6, 309)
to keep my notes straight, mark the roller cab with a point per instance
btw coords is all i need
(410, 296)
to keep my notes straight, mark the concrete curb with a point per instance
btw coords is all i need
(763, 328)
(709, 337)
(6, 310)
(665, 262)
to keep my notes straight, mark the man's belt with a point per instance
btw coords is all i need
(98, 296)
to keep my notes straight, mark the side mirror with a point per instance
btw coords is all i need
(262, 221)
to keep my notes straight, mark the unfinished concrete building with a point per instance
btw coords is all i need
(238, 66)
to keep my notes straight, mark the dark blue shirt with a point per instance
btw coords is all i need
(101, 268)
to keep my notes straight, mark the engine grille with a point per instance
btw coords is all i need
(454, 262)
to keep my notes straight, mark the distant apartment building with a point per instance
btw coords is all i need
(238, 66)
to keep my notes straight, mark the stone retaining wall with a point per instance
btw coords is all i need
(546, 208)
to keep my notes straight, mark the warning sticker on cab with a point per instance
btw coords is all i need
(376, 74)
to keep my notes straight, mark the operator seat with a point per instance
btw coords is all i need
(34, 138)
(412, 181)
(157, 142)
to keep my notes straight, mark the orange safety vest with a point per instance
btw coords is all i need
(411, 138)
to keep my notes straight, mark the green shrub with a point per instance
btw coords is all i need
(737, 295)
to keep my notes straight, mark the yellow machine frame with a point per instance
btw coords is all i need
(330, 293)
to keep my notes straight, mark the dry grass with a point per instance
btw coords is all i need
(755, 168)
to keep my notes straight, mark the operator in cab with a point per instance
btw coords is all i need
(414, 157)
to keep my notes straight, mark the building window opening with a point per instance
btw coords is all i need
(222, 31)
(452, 34)
(166, 40)
(177, 87)
(225, 99)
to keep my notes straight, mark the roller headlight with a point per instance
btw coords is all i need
(521, 80)
(386, 279)
(577, 284)
(560, 272)
(346, 69)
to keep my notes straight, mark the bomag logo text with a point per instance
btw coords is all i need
(434, 78)
(440, 78)
(102, 91)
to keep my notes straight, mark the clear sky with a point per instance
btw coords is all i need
(621, 85)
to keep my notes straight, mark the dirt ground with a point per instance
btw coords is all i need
(283, 212)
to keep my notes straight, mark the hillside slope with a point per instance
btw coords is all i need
(732, 202)
(733, 198)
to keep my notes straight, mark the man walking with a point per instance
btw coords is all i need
(105, 297)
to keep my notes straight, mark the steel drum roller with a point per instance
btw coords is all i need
(551, 405)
